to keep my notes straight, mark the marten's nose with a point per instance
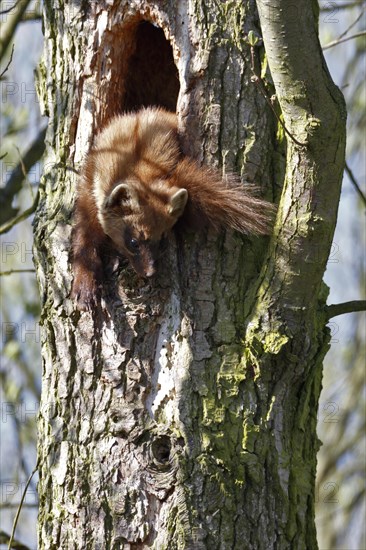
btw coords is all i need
(150, 270)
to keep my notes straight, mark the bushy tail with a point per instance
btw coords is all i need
(223, 202)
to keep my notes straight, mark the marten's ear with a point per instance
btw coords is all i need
(178, 202)
(122, 193)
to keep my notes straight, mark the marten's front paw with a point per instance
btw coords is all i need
(86, 290)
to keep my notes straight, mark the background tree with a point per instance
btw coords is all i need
(340, 494)
(20, 124)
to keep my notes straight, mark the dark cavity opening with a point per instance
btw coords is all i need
(161, 448)
(151, 77)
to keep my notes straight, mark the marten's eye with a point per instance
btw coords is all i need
(133, 245)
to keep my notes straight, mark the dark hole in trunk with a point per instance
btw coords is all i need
(151, 77)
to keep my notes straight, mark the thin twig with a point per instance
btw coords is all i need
(29, 158)
(8, 65)
(344, 33)
(11, 223)
(10, 25)
(31, 17)
(3, 12)
(347, 307)
(4, 539)
(20, 507)
(24, 172)
(354, 183)
(9, 505)
(259, 82)
(11, 271)
(336, 42)
(14, 183)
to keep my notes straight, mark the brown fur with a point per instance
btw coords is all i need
(135, 185)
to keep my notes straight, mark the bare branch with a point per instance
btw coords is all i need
(8, 10)
(346, 307)
(313, 109)
(16, 545)
(10, 545)
(354, 183)
(14, 183)
(24, 172)
(344, 33)
(5, 227)
(11, 271)
(10, 26)
(9, 505)
(31, 17)
(336, 42)
(8, 64)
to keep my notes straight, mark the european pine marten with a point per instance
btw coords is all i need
(134, 186)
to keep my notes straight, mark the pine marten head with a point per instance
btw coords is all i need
(137, 217)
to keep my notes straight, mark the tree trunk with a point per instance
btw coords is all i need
(183, 414)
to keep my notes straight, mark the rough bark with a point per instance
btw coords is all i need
(182, 414)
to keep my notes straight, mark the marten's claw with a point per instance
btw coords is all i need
(86, 292)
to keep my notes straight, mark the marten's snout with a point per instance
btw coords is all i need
(150, 270)
(144, 260)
